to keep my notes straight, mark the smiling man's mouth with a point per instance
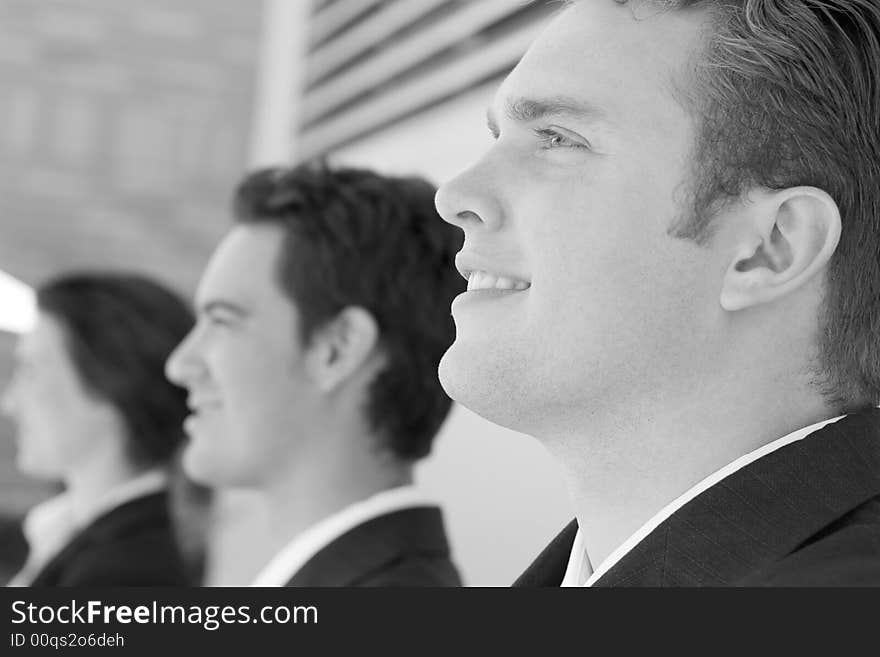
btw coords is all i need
(197, 406)
(482, 280)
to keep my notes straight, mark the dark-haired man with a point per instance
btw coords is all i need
(673, 254)
(312, 372)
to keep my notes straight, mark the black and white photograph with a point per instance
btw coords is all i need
(299, 297)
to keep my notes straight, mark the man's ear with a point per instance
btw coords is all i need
(790, 236)
(341, 346)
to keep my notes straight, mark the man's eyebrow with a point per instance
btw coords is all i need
(525, 110)
(222, 305)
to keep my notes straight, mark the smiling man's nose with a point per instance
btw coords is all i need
(469, 200)
(181, 366)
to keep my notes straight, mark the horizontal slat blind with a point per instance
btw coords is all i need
(374, 62)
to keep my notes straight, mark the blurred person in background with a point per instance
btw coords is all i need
(94, 411)
(312, 372)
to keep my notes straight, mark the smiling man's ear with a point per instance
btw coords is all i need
(790, 236)
(341, 346)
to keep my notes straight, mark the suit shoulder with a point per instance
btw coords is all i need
(147, 558)
(413, 571)
(846, 553)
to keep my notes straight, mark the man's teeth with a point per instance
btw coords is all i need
(481, 280)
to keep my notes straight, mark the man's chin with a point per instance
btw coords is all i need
(205, 464)
(457, 374)
(474, 383)
(447, 377)
(199, 464)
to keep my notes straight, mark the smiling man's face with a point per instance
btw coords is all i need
(242, 364)
(580, 299)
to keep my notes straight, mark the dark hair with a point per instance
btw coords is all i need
(356, 238)
(119, 329)
(787, 94)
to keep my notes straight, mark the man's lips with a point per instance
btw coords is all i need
(199, 412)
(481, 280)
(197, 406)
(481, 275)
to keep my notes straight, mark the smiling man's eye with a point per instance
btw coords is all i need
(553, 138)
(217, 320)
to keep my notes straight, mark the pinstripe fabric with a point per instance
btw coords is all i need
(806, 514)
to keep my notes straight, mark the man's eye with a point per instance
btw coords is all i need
(216, 320)
(551, 138)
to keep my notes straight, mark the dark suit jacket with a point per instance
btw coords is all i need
(807, 514)
(131, 545)
(13, 547)
(402, 548)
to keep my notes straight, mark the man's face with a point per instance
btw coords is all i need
(243, 366)
(570, 208)
(56, 418)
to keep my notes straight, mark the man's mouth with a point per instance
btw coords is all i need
(483, 280)
(200, 411)
(199, 406)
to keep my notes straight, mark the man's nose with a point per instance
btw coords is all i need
(471, 200)
(183, 364)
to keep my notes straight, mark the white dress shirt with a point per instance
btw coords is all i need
(305, 545)
(579, 571)
(51, 525)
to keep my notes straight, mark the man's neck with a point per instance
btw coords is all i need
(632, 465)
(296, 502)
(89, 483)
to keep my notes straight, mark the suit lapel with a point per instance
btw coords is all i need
(751, 518)
(760, 513)
(372, 545)
(548, 568)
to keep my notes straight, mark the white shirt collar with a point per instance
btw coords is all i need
(51, 525)
(579, 571)
(305, 545)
